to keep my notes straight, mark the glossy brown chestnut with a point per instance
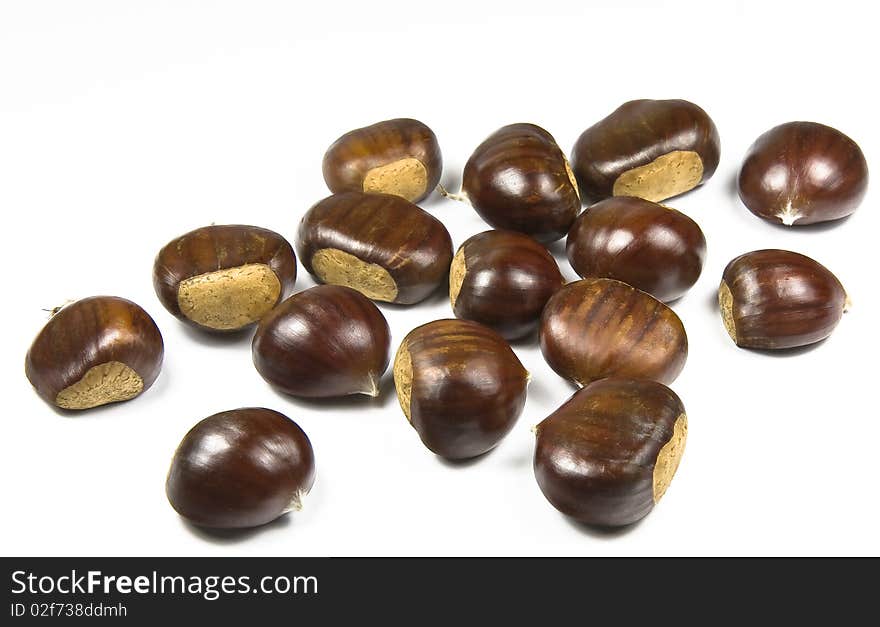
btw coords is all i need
(653, 149)
(607, 456)
(325, 341)
(779, 299)
(802, 173)
(519, 179)
(224, 278)
(95, 351)
(400, 157)
(503, 279)
(597, 328)
(460, 386)
(241, 468)
(379, 244)
(652, 247)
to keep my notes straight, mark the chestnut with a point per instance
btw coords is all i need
(95, 351)
(225, 277)
(460, 386)
(609, 453)
(400, 157)
(779, 299)
(597, 328)
(326, 341)
(803, 173)
(241, 468)
(502, 279)
(653, 149)
(652, 247)
(383, 246)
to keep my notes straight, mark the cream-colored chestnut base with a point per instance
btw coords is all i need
(403, 378)
(457, 270)
(405, 177)
(105, 383)
(668, 175)
(338, 267)
(669, 457)
(725, 302)
(231, 298)
(571, 176)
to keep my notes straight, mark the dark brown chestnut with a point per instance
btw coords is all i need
(653, 149)
(383, 246)
(779, 299)
(652, 247)
(400, 157)
(241, 468)
(503, 279)
(95, 351)
(224, 278)
(325, 341)
(802, 173)
(597, 328)
(609, 453)
(460, 386)
(519, 179)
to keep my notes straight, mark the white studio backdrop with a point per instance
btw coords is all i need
(125, 124)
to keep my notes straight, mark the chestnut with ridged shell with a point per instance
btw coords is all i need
(774, 299)
(653, 149)
(224, 277)
(803, 173)
(503, 279)
(597, 328)
(399, 156)
(95, 351)
(460, 386)
(608, 454)
(650, 246)
(519, 179)
(325, 341)
(241, 468)
(381, 245)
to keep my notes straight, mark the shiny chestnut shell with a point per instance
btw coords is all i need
(597, 328)
(325, 341)
(519, 179)
(653, 149)
(503, 279)
(609, 453)
(224, 277)
(652, 247)
(460, 385)
(779, 299)
(381, 245)
(95, 351)
(241, 468)
(802, 173)
(400, 157)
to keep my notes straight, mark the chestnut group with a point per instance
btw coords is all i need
(607, 455)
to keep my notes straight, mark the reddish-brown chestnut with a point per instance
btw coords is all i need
(460, 386)
(325, 341)
(400, 157)
(95, 351)
(224, 278)
(597, 328)
(503, 279)
(241, 468)
(519, 179)
(802, 173)
(779, 299)
(653, 149)
(383, 246)
(652, 247)
(609, 453)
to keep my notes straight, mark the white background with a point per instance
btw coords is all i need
(125, 124)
